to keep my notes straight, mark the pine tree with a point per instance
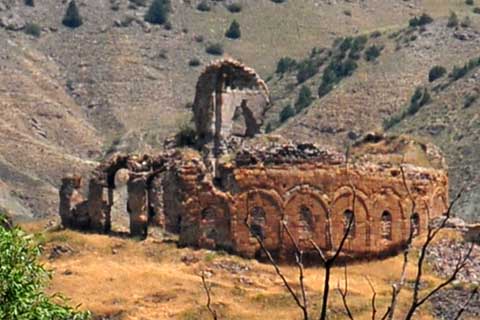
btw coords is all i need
(233, 31)
(72, 17)
(158, 12)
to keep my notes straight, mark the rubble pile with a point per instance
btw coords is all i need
(287, 153)
(443, 257)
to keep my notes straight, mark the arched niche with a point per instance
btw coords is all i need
(252, 202)
(225, 86)
(306, 215)
(344, 202)
(387, 200)
(215, 225)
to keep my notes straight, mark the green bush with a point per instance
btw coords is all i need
(234, 7)
(72, 18)
(33, 29)
(304, 99)
(279, 1)
(158, 12)
(476, 10)
(452, 20)
(357, 46)
(30, 3)
(203, 6)
(423, 20)
(372, 53)
(460, 72)
(306, 70)
(23, 280)
(233, 31)
(286, 113)
(140, 3)
(187, 135)
(194, 62)
(420, 98)
(436, 72)
(285, 64)
(392, 121)
(469, 2)
(334, 73)
(215, 49)
(346, 44)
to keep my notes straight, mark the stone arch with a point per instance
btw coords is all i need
(271, 203)
(343, 201)
(225, 86)
(388, 200)
(214, 226)
(301, 199)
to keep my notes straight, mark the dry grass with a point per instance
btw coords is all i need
(127, 279)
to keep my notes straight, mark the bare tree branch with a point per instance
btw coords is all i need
(462, 261)
(299, 262)
(465, 305)
(343, 293)
(276, 267)
(209, 299)
(374, 296)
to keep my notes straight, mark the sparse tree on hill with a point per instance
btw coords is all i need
(158, 11)
(233, 31)
(72, 17)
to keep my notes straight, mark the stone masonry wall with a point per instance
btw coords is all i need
(312, 199)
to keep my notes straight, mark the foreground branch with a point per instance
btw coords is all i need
(209, 299)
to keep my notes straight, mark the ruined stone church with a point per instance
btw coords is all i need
(237, 183)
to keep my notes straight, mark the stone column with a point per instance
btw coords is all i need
(97, 207)
(137, 203)
(69, 199)
(155, 201)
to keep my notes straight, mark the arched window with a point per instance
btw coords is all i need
(348, 216)
(386, 229)
(208, 223)
(306, 223)
(415, 224)
(257, 222)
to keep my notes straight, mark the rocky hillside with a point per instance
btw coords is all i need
(368, 83)
(69, 96)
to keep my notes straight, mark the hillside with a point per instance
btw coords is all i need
(451, 120)
(372, 91)
(70, 96)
